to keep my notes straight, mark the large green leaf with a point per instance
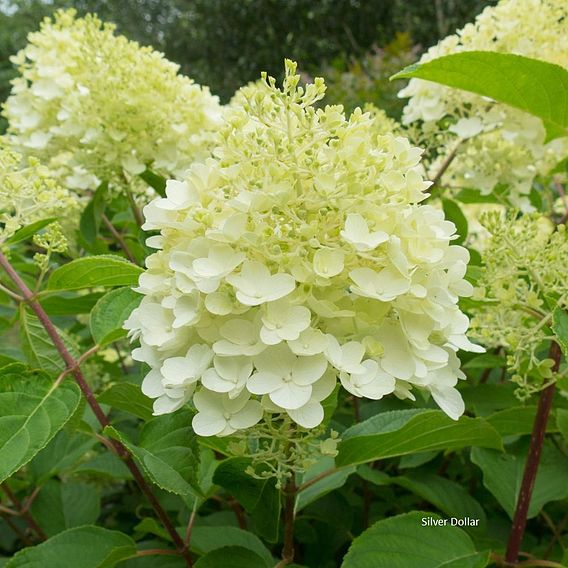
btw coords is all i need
(84, 547)
(259, 497)
(61, 455)
(128, 397)
(94, 271)
(69, 303)
(60, 506)
(233, 556)
(537, 87)
(38, 346)
(406, 541)
(447, 496)
(402, 432)
(503, 474)
(167, 451)
(31, 414)
(110, 313)
(323, 486)
(206, 539)
(518, 420)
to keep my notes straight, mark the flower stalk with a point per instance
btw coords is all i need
(532, 463)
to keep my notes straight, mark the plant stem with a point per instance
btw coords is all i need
(72, 364)
(119, 239)
(531, 466)
(19, 533)
(290, 493)
(445, 165)
(23, 512)
(135, 209)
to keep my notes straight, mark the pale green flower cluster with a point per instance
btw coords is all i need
(523, 280)
(297, 255)
(500, 145)
(28, 193)
(95, 106)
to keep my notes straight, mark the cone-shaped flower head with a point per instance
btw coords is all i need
(503, 146)
(300, 257)
(93, 105)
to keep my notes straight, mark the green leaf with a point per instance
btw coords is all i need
(92, 214)
(486, 399)
(154, 180)
(405, 542)
(30, 416)
(485, 361)
(38, 346)
(447, 496)
(70, 304)
(87, 547)
(325, 485)
(206, 539)
(402, 432)
(128, 397)
(454, 214)
(259, 497)
(167, 451)
(151, 526)
(94, 271)
(560, 328)
(60, 455)
(60, 506)
(562, 417)
(30, 230)
(518, 420)
(105, 465)
(503, 474)
(537, 87)
(109, 314)
(233, 556)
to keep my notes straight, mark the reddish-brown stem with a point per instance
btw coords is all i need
(119, 239)
(290, 493)
(17, 531)
(239, 513)
(443, 168)
(24, 513)
(531, 466)
(118, 447)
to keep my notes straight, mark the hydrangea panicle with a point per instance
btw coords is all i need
(496, 145)
(94, 106)
(296, 256)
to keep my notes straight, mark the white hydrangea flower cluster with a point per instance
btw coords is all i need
(28, 193)
(92, 105)
(298, 254)
(503, 146)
